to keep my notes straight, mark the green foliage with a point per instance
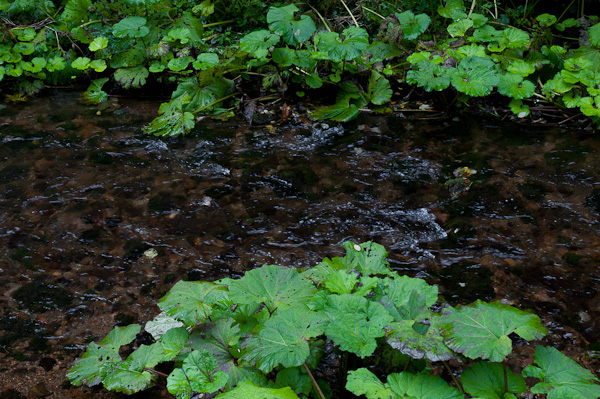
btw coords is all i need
(278, 50)
(560, 376)
(261, 335)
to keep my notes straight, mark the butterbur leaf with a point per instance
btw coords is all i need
(459, 28)
(281, 20)
(283, 338)
(475, 76)
(123, 379)
(76, 12)
(426, 344)
(203, 91)
(158, 50)
(98, 43)
(295, 379)
(132, 77)
(515, 38)
(413, 25)
(162, 323)
(546, 20)
(368, 258)
(287, 57)
(561, 376)
(364, 382)
(205, 61)
(173, 341)
(481, 330)
(380, 91)
(347, 46)
(513, 85)
(94, 93)
(590, 106)
(248, 390)
(595, 35)
(399, 288)
(81, 63)
(341, 111)
(86, 369)
(450, 8)
(191, 301)
(486, 381)
(518, 108)
(354, 323)
(258, 43)
(341, 282)
(198, 374)
(56, 63)
(521, 67)
(421, 386)
(131, 27)
(429, 76)
(276, 286)
(179, 64)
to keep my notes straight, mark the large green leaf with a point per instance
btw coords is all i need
(287, 57)
(282, 21)
(87, 369)
(594, 31)
(276, 286)
(173, 341)
(481, 330)
(562, 377)
(191, 301)
(131, 375)
(513, 85)
(475, 76)
(76, 12)
(294, 378)
(364, 382)
(355, 322)
(131, 27)
(347, 46)
(161, 324)
(399, 288)
(418, 340)
(198, 374)
(94, 93)
(368, 258)
(247, 390)
(258, 43)
(341, 111)
(590, 106)
(380, 91)
(203, 91)
(132, 77)
(486, 381)
(283, 338)
(429, 76)
(413, 25)
(421, 386)
(400, 385)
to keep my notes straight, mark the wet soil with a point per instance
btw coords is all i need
(98, 220)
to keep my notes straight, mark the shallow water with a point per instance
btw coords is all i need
(99, 220)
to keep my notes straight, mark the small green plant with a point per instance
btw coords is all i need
(263, 335)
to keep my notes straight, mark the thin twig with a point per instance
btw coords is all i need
(457, 382)
(373, 12)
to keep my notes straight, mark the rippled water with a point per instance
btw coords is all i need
(99, 220)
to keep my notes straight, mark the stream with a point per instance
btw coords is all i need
(98, 220)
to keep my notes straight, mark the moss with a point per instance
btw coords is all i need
(573, 259)
(23, 256)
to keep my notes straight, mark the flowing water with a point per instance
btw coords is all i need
(99, 220)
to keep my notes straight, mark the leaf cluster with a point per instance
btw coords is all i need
(262, 335)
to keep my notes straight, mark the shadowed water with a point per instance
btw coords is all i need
(99, 220)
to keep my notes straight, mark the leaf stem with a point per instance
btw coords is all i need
(219, 23)
(320, 16)
(314, 382)
(373, 12)
(215, 102)
(349, 12)
(505, 376)
(156, 372)
(457, 382)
